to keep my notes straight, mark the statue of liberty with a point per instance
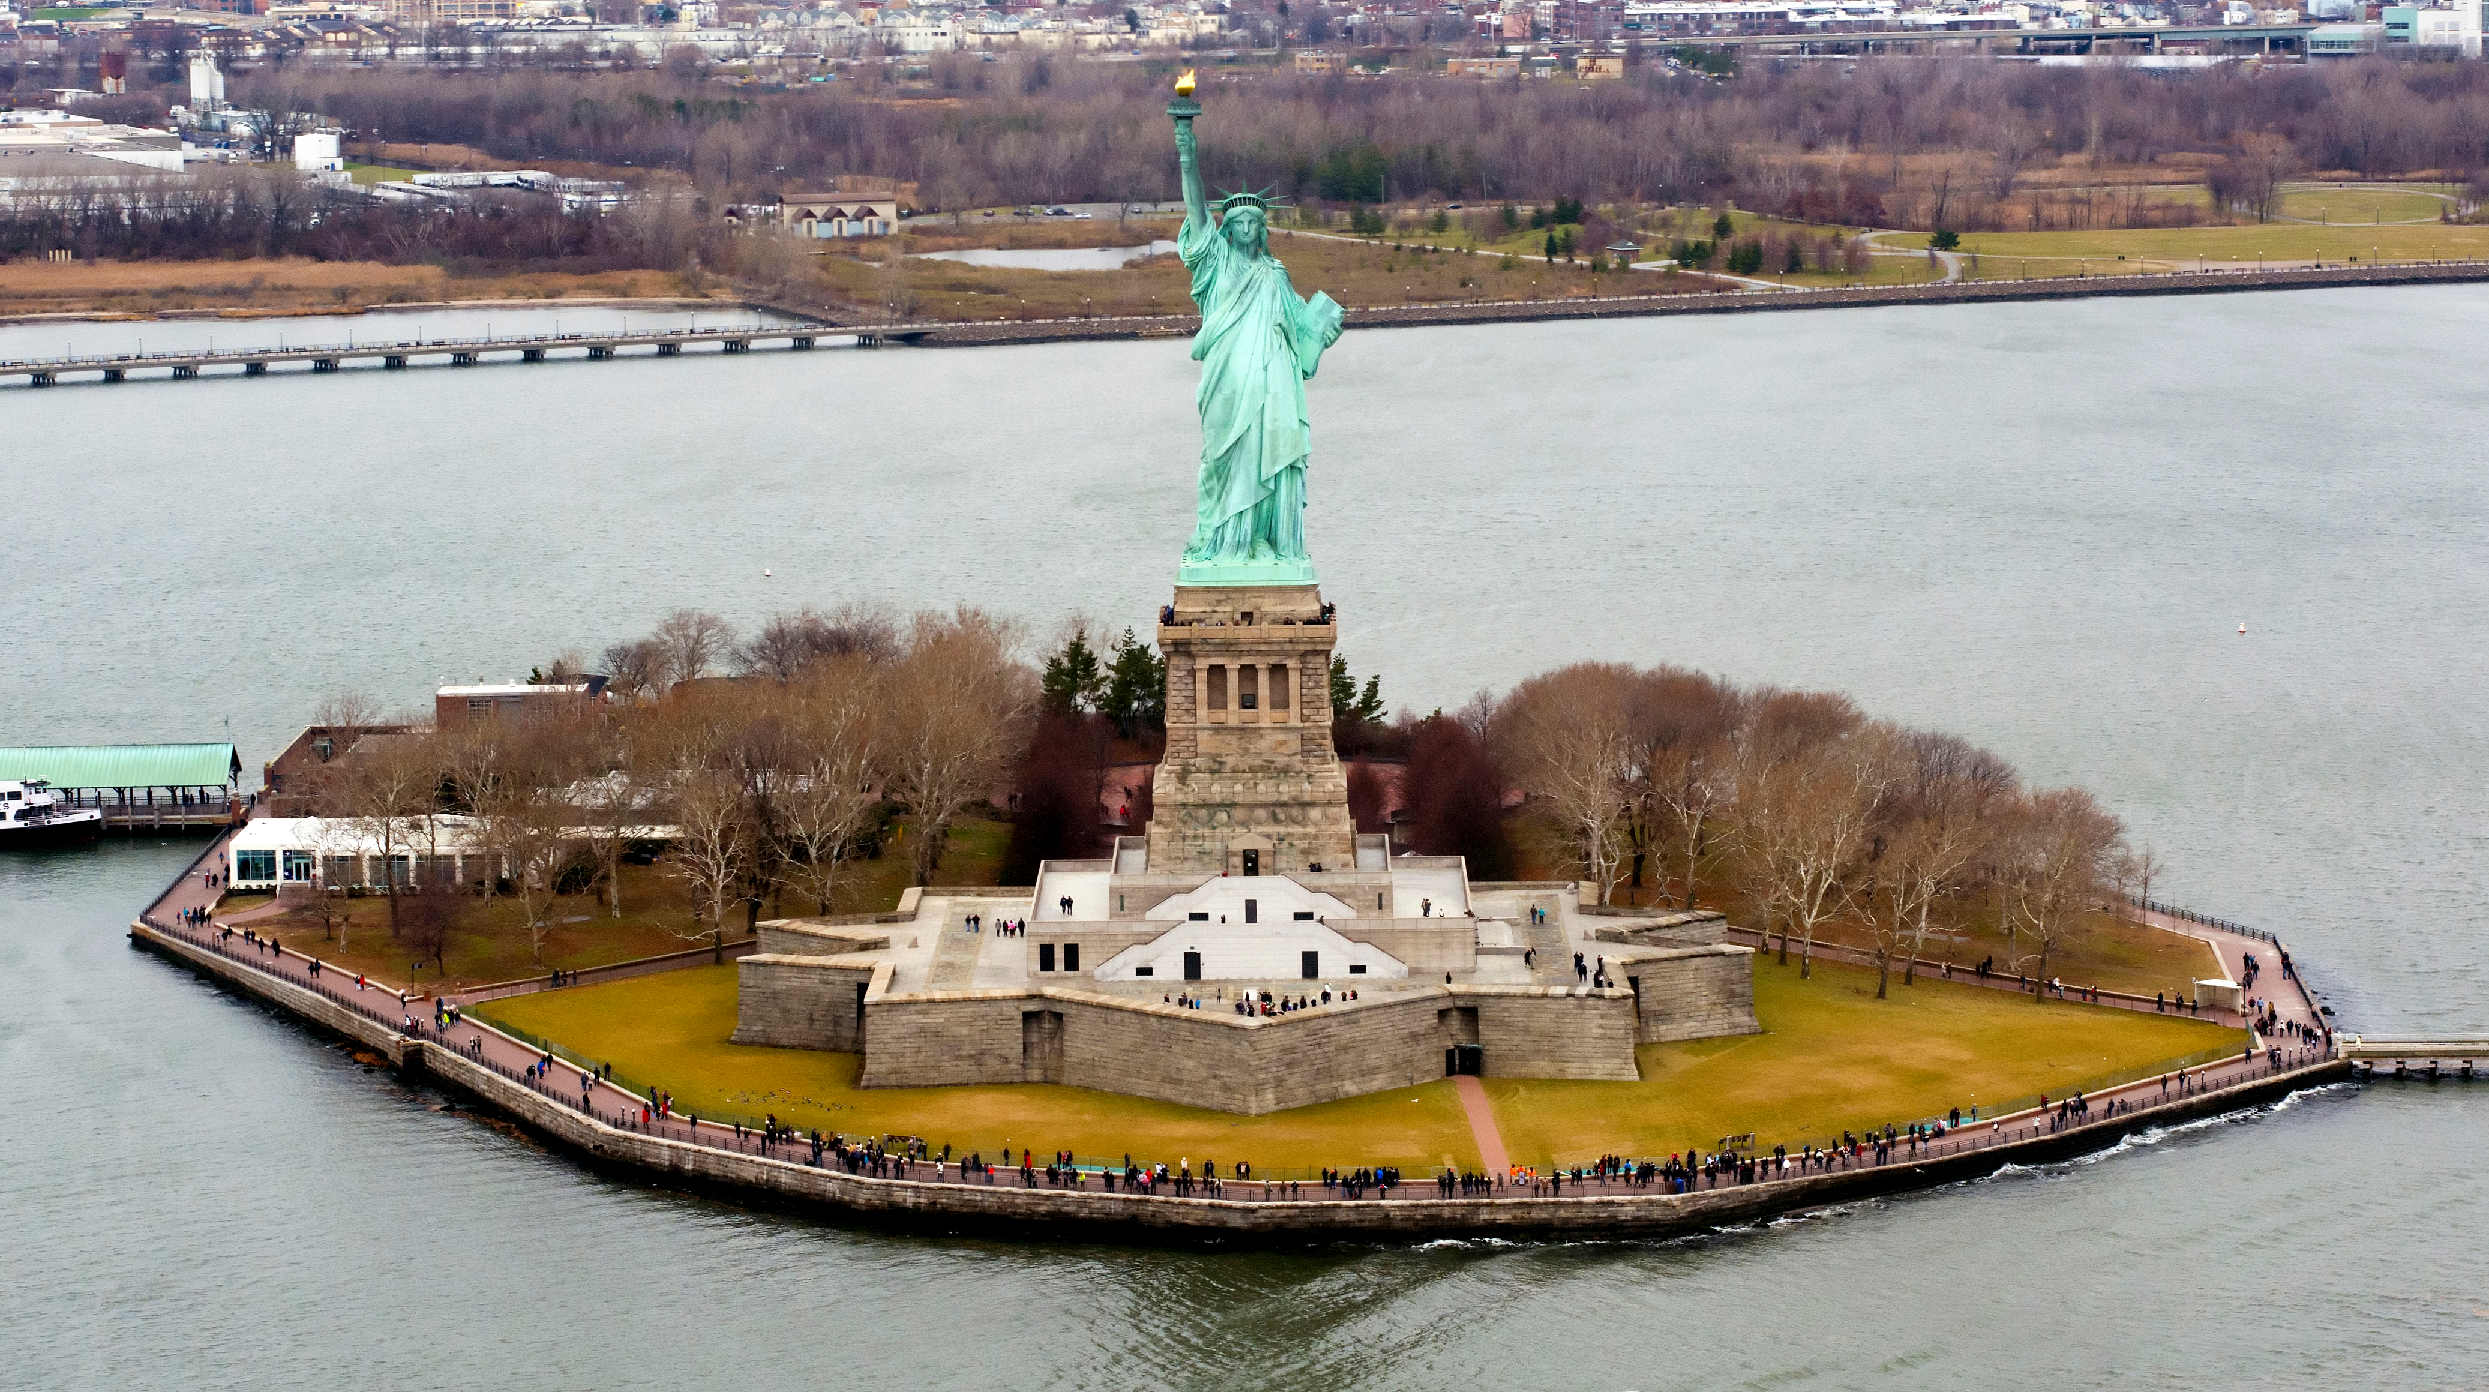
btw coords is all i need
(1257, 346)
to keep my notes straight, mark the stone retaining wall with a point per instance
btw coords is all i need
(1097, 1215)
(800, 1002)
(1693, 992)
(1732, 302)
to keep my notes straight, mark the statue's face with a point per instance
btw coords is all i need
(1247, 230)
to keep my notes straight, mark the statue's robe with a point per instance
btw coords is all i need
(1257, 345)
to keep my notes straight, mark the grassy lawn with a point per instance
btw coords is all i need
(2112, 952)
(1354, 273)
(2274, 242)
(1832, 1057)
(291, 286)
(378, 173)
(490, 943)
(671, 1031)
(2115, 954)
(2364, 202)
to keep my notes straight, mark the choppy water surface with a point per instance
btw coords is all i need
(2039, 525)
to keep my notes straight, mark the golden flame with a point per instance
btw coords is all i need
(1184, 83)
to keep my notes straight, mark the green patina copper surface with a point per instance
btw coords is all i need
(1258, 344)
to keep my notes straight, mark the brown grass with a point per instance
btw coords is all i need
(442, 156)
(292, 285)
(1357, 274)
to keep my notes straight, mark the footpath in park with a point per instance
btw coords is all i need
(415, 1016)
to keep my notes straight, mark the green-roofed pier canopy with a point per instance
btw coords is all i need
(138, 786)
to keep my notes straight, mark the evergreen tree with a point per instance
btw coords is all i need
(1722, 228)
(1370, 701)
(1136, 687)
(1074, 682)
(1551, 248)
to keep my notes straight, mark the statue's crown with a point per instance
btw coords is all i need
(1246, 198)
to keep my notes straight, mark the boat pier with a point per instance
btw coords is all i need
(2421, 1058)
(396, 355)
(140, 788)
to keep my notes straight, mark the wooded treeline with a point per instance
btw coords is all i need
(1843, 143)
(1792, 809)
(1807, 812)
(245, 212)
(774, 784)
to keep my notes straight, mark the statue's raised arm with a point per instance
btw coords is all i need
(1258, 343)
(1183, 109)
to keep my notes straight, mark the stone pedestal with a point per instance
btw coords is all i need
(1250, 783)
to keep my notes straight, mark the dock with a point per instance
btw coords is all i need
(2425, 1059)
(397, 354)
(140, 788)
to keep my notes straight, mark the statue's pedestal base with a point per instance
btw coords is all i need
(1250, 783)
(1224, 574)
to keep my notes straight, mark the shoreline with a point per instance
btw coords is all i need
(2210, 282)
(935, 333)
(1092, 1214)
(246, 314)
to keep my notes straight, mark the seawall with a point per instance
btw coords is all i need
(1092, 1214)
(971, 334)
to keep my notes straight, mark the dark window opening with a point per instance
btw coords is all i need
(1071, 956)
(1356, 969)
(1253, 908)
(1304, 915)
(1045, 956)
(1144, 971)
(1198, 917)
(1311, 965)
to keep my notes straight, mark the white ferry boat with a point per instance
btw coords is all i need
(31, 814)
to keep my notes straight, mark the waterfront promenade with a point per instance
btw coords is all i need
(558, 1097)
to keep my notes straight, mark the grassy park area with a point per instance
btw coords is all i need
(671, 1031)
(1352, 272)
(1831, 1056)
(378, 173)
(2111, 250)
(488, 942)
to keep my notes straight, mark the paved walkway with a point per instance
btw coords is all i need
(1491, 1156)
(416, 1014)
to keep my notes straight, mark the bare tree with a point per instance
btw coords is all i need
(692, 641)
(958, 707)
(635, 668)
(1567, 737)
(834, 789)
(525, 822)
(1927, 831)
(388, 791)
(1684, 724)
(789, 643)
(1802, 830)
(712, 849)
(2065, 851)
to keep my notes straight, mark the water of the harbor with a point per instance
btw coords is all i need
(2038, 525)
